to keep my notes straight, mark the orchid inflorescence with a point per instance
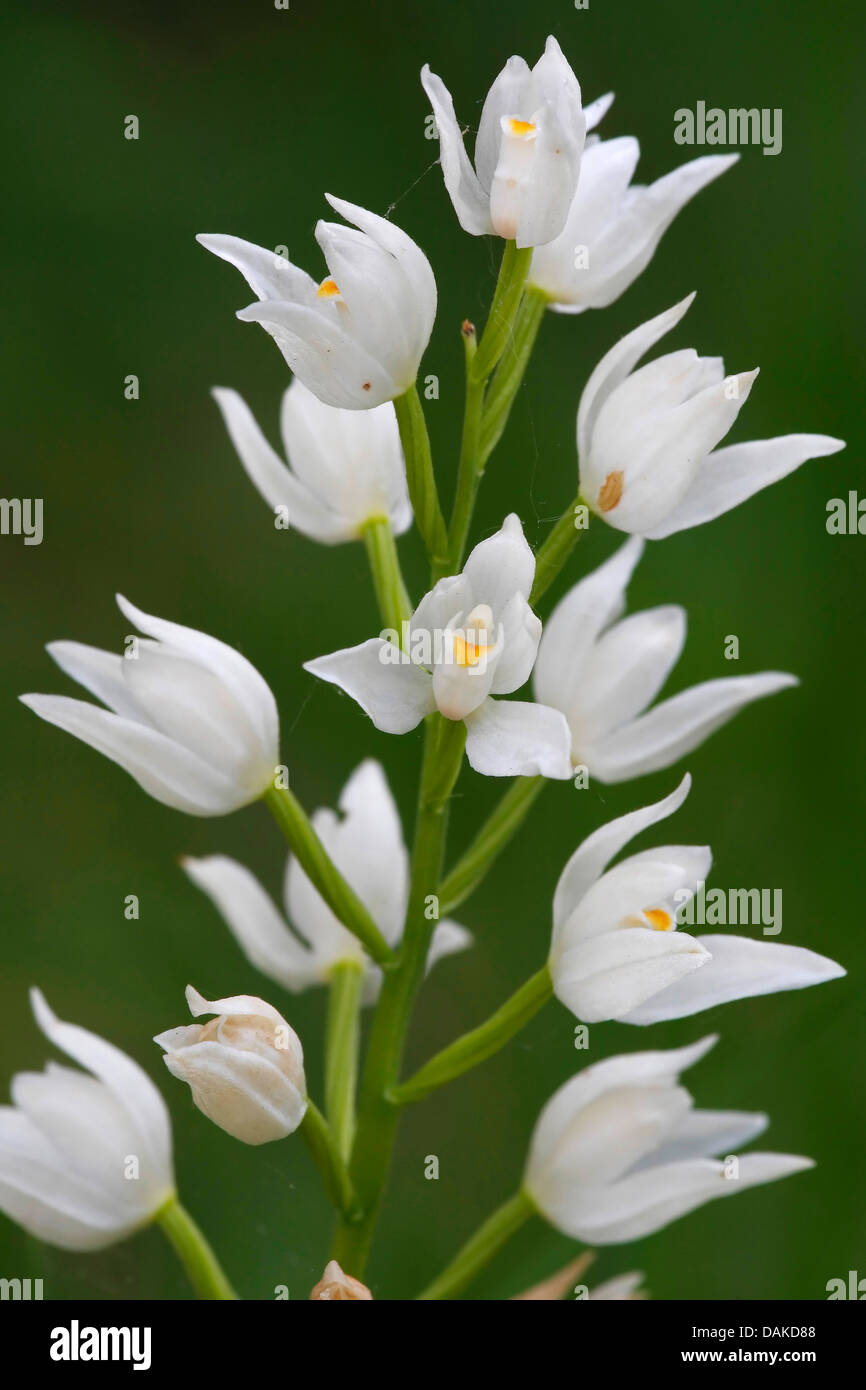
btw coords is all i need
(619, 1151)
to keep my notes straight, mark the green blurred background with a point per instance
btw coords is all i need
(247, 115)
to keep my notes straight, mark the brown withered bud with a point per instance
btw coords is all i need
(334, 1284)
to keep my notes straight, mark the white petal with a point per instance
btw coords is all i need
(471, 203)
(740, 968)
(233, 1004)
(615, 366)
(607, 976)
(521, 636)
(190, 705)
(449, 598)
(655, 878)
(351, 459)
(649, 213)
(597, 110)
(420, 310)
(91, 1131)
(571, 282)
(730, 476)
(254, 920)
(330, 362)
(575, 623)
(606, 1139)
(127, 1082)
(268, 275)
(516, 738)
(40, 1192)
(631, 238)
(160, 766)
(376, 306)
(501, 567)
(636, 1069)
(676, 726)
(630, 664)
(269, 474)
(508, 96)
(396, 696)
(99, 672)
(369, 850)
(553, 177)
(674, 450)
(591, 858)
(238, 675)
(703, 1133)
(646, 1201)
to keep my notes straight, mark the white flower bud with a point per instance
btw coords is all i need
(245, 1067)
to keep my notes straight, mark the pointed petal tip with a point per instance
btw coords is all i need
(40, 1006)
(196, 1002)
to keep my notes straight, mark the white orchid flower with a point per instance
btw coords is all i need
(619, 1152)
(614, 226)
(188, 717)
(357, 338)
(646, 439)
(527, 152)
(365, 842)
(85, 1156)
(616, 952)
(245, 1067)
(472, 637)
(345, 467)
(603, 673)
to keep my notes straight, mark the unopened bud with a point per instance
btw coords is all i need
(245, 1067)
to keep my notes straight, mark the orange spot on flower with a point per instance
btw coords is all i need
(611, 491)
(659, 919)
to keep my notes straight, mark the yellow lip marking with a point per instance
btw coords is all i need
(328, 289)
(468, 653)
(611, 492)
(658, 919)
(521, 128)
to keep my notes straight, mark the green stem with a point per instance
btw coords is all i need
(468, 473)
(194, 1252)
(325, 876)
(490, 841)
(502, 325)
(322, 1145)
(341, 1052)
(423, 492)
(557, 548)
(394, 603)
(511, 370)
(377, 1114)
(475, 1047)
(481, 1248)
(506, 298)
